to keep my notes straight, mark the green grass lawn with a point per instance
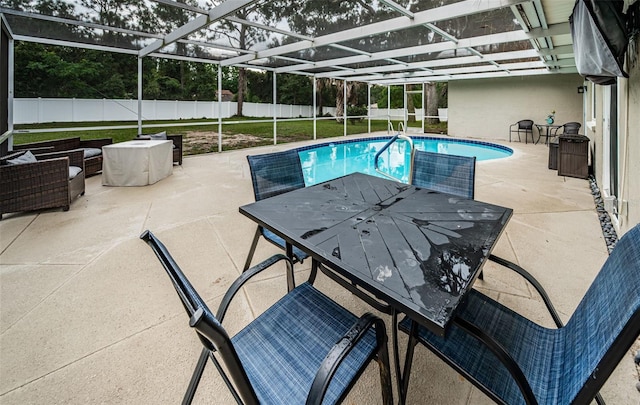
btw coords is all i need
(256, 133)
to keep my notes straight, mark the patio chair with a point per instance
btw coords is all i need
(33, 182)
(514, 360)
(570, 128)
(522, 126)
(162, 136)
(273, 174)
(450, 174)
(304, 348)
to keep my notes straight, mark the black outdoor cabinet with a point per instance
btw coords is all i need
(573, 156)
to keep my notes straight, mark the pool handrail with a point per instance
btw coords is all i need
(392, 140)
(390, 128)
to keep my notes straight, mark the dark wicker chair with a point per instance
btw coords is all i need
(91, 147)
(304, 348)
(177, 145)
(515, 361)
(40, 185)
(273, 174)
(523, 126)
(570, 128)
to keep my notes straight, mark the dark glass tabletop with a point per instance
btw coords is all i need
(416, 249)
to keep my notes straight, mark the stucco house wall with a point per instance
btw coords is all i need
(631, 182)
(627, 204)
(485, 108)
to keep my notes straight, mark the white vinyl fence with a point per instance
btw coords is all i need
(42, 110)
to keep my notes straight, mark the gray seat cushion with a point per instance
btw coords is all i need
(74, 171)
(160, 136)
(91, 152)
(26, 157)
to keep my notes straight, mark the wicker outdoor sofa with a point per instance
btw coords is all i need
(92, 150)
(53, 180)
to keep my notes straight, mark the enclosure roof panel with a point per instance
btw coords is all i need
(377, 41)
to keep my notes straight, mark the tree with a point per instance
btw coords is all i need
(431, 102)
(295, 89)
(320, 17)
(243, 37)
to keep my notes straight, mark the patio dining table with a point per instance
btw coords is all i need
(417, 250)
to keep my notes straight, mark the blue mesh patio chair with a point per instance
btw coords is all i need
(516, 361)
(523, 126)
(304, 349)
(449, 174)
(455, 175)
(273, 174)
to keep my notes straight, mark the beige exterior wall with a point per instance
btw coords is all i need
(627, 212)
(629, 161)
(630, 214)
(485, 108)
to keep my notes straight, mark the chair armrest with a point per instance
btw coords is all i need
(95, 143)
(532, 280)
(340, 351)
(506, 359)
(246, 276)
(76, 157)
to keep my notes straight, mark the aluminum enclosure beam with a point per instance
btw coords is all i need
(217, 13)
(461, 9)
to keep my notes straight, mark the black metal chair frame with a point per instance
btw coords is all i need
(525, 126)
(215, 339)
(585, 395)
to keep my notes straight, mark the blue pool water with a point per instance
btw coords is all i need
(331, 160)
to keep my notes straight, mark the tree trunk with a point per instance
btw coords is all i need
(339, 100)
(242, 74)
(242, 88)
(319, 87)
(431, 102)
(411, 108)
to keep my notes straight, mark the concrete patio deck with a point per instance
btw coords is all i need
(87, 314)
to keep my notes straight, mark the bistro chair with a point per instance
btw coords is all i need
(522, 126)
(304, 349)
(570, 128)
(273, 174)
(515, 361)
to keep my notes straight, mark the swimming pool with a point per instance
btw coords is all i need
(331, 160)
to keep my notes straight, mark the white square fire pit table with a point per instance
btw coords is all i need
(136, 163)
